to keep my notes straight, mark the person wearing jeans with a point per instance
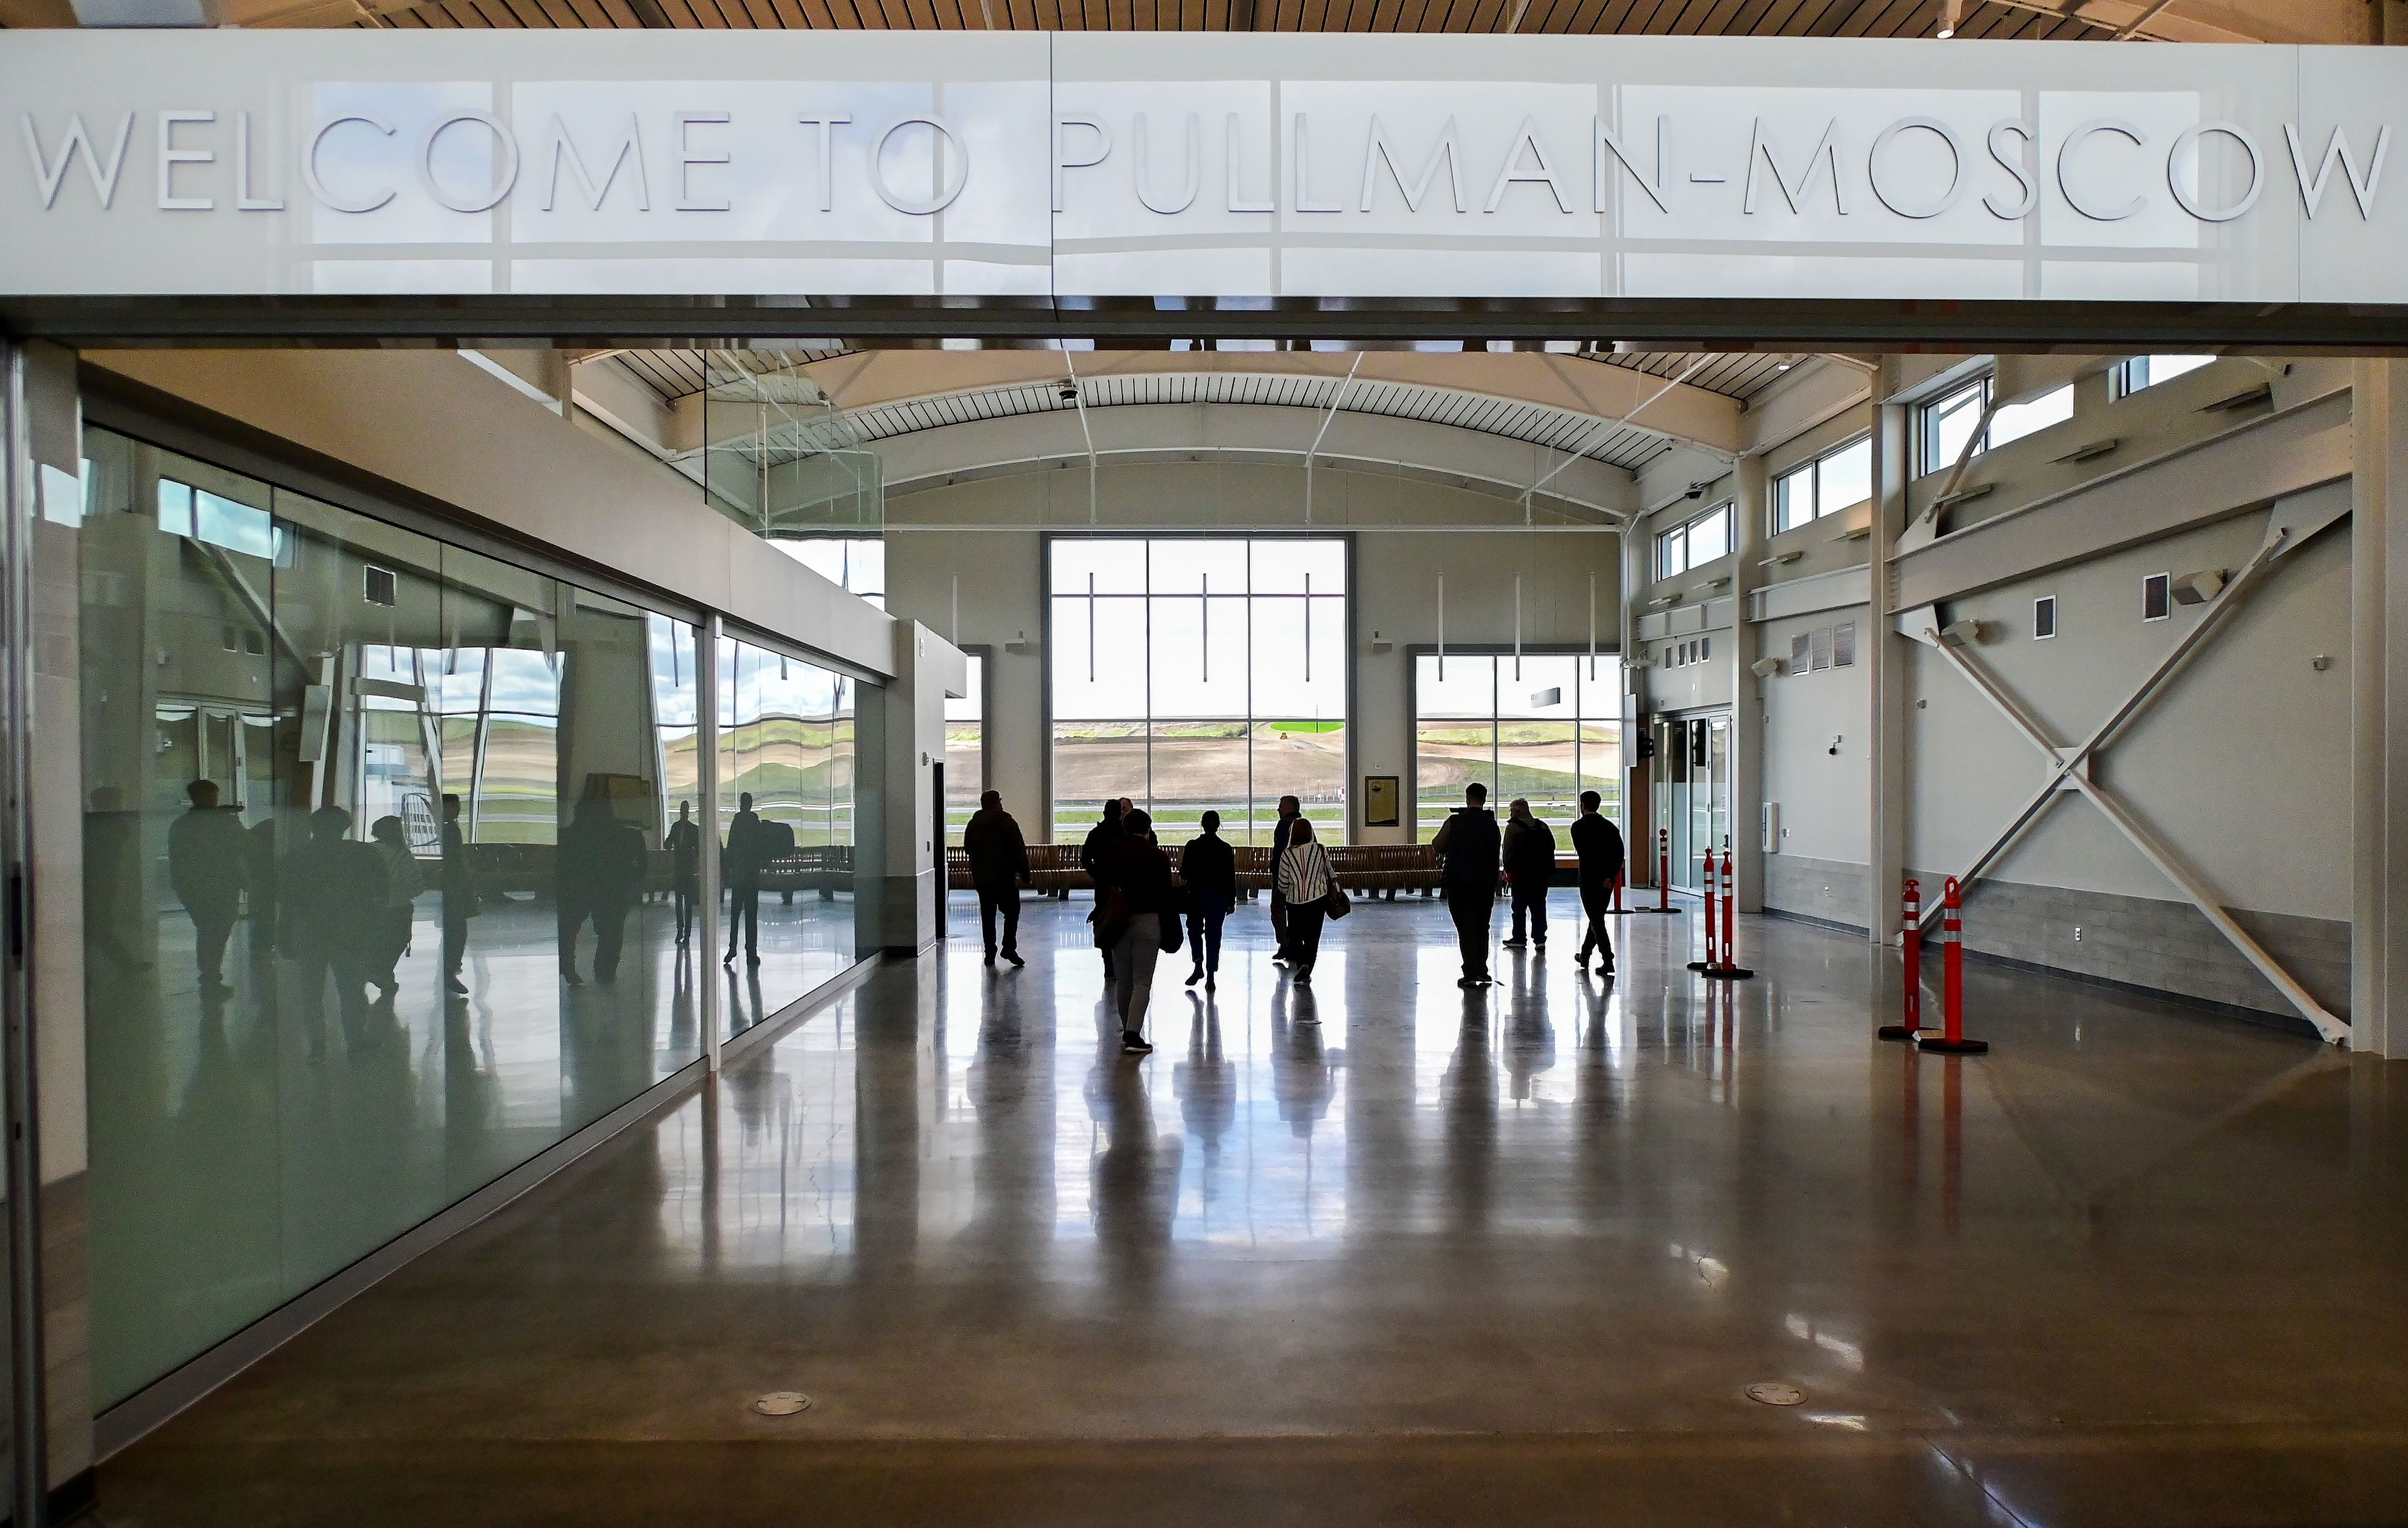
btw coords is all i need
(1530, 865)
(1140, 871)
(1304, 878)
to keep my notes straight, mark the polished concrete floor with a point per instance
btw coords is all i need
(1382, 1252)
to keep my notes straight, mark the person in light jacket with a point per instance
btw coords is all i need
(1305, 879)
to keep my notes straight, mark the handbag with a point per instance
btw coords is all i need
(1111, 918)
(1338, 905)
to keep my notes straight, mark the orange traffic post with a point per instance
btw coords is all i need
(1910, 1025)
(1726, 968)
(1951, 1040)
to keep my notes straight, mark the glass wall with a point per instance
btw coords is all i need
(966, 748)
(1542, 726)
(1193, 674)
(378, 903)
(786, 770)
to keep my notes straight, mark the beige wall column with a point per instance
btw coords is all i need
(1750, 522)
(2379, 711)
(1885, 677)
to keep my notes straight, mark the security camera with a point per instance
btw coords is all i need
(1764, 668)
(1070, 393)
(1961, 633)
(1697, 490)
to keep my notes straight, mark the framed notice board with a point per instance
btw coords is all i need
(1380, 801)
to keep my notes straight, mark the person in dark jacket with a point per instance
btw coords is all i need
(206, 864)
(601, 868)
(1290, 811)
(1141, 872)
(1468, 850)
(684, 843)
(998, 858)
(1209, 867)
(1092, 855)
(1530, 865)
(1598, 844)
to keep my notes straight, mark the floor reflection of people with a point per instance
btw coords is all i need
(334, 895)
(601, 869)
(205, 865)
(1206, 1082)
(459, 897)
(1300, 1073)
(1134, 1180)
(741, 864)
(1530, 1032)
(684, 844)
(1010, 1087)
(1469, 1094)
(402, 881)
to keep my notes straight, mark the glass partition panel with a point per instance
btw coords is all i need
(372, 835)
(787, 756)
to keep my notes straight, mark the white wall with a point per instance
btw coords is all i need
(989, 533)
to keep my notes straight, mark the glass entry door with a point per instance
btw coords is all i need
(1693, 791)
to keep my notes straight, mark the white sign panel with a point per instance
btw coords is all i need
(1196, 167)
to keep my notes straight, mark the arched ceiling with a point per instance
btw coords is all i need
(1620, 410)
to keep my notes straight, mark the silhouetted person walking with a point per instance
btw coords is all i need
(998, 857)
(684, 843)
(1092, 855)
(1598, 844)
(1291, 812)
(402, 881)
(601, 869)
(1209, 868)
(1468, 847)
(207, 865)
(1138, 869)
(741, 863)
(459, 886)
(1304, 877)
(335, 894)
(1530, 865)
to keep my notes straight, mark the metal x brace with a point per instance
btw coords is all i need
(2069, 766)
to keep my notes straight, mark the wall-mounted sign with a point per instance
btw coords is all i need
(1178, 165)
(1379, 801)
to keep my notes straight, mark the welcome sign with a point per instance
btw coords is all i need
(1197, 168)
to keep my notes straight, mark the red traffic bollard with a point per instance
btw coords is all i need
(1951, 1041)
(1911, 926)
(1714, 924)
(1722, 917)
(1617, 891)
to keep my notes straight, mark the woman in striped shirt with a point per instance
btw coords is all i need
(1304, 879)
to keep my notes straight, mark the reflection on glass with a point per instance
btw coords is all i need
(786, 821)
(966, 746)
(335, 775)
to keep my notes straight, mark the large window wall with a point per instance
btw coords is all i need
(1540, 726)
(1193, 674)
(400, 1015)
(966, 748)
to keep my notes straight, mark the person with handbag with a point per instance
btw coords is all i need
(1310, 887)
(1139, 913)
